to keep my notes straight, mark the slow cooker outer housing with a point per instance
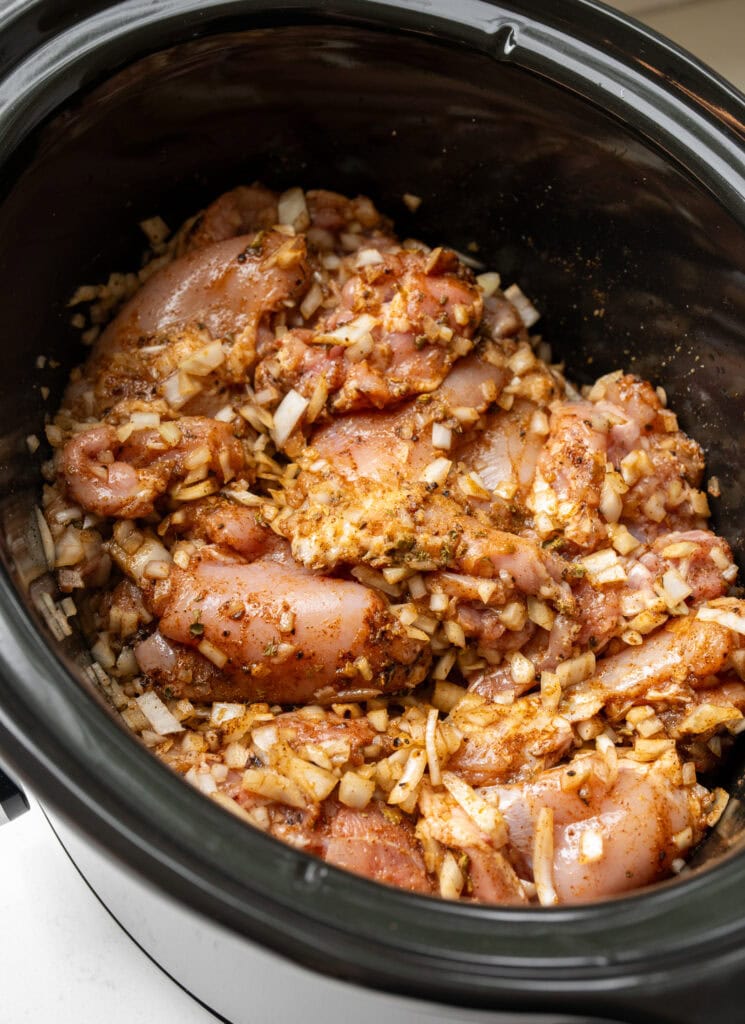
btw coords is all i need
(598, 166)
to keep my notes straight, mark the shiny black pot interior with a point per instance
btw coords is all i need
(629, 243)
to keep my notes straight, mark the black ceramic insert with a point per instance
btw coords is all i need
(561, 147)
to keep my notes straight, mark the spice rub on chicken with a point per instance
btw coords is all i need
(356, 560)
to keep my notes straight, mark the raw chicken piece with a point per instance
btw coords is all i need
(280, 633)
(368, 843)
(125, 478)
(504, 741)
(569, 477)
(636, 815)
(687, 651)
(198, 316)
(401, 323)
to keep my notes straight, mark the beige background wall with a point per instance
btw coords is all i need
(714, 30)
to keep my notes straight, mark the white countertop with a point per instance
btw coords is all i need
(63, 959)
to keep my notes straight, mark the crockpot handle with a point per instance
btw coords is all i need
(13, 800)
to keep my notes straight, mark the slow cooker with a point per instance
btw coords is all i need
(584, 157)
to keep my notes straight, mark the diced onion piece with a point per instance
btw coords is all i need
(590, 846)
(454, 633)
(136, 562)
(354, 791)
(223, 712)
(447, 695)
(353, 331)
(411, 201)
(157, 714)
(270, 784)
(204, 360)
(368, 258)
(683, 549)
(292, 209)
(430, 743)
(212, 653)
(312, 300)
(143, 420)
(317, 782)
(539, 424)
(522, 669)
(179, 388)
(543, 858)
(488, 282)
(675, 588)
(361, 349)
(442, 436)
(528, 313)
(265, 737)
(707, 716)
(513, 616)
(436, 472)
(540, 613)
(156, 230)
(157, 569)
(378, 719)
(372, 578)
(450, 877)
(623, 541)
(288, 415)
(442, 669)
(604, 567)
(47, 542)
(201, 780)
(486, 817)
(575, 670)
(607, 749)
(69, 548)
(730, 620)
(611, 505)
(473, 486)
(411, 777)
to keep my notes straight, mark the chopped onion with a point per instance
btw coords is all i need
(45, 534)
(204, 360)
(312, 300)
(724, 618)
(273, 786)
(412, 776)
(368, 258)
(451, 878)
(528, 313)
(442, 436)
(590, 846)
(488, 818)
(675, 588)
(543, 858)
(265, 737)
(293, 210)
(436, 472)
(430, 743)
(212, 653)
(179, 388)
(489, 282)
(288, 415)
(371, 578)
(353, 331)
(157, 714)
(354, 791)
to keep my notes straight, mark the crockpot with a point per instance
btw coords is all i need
(575, 151)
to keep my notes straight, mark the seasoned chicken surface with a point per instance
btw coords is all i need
(355, 559)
